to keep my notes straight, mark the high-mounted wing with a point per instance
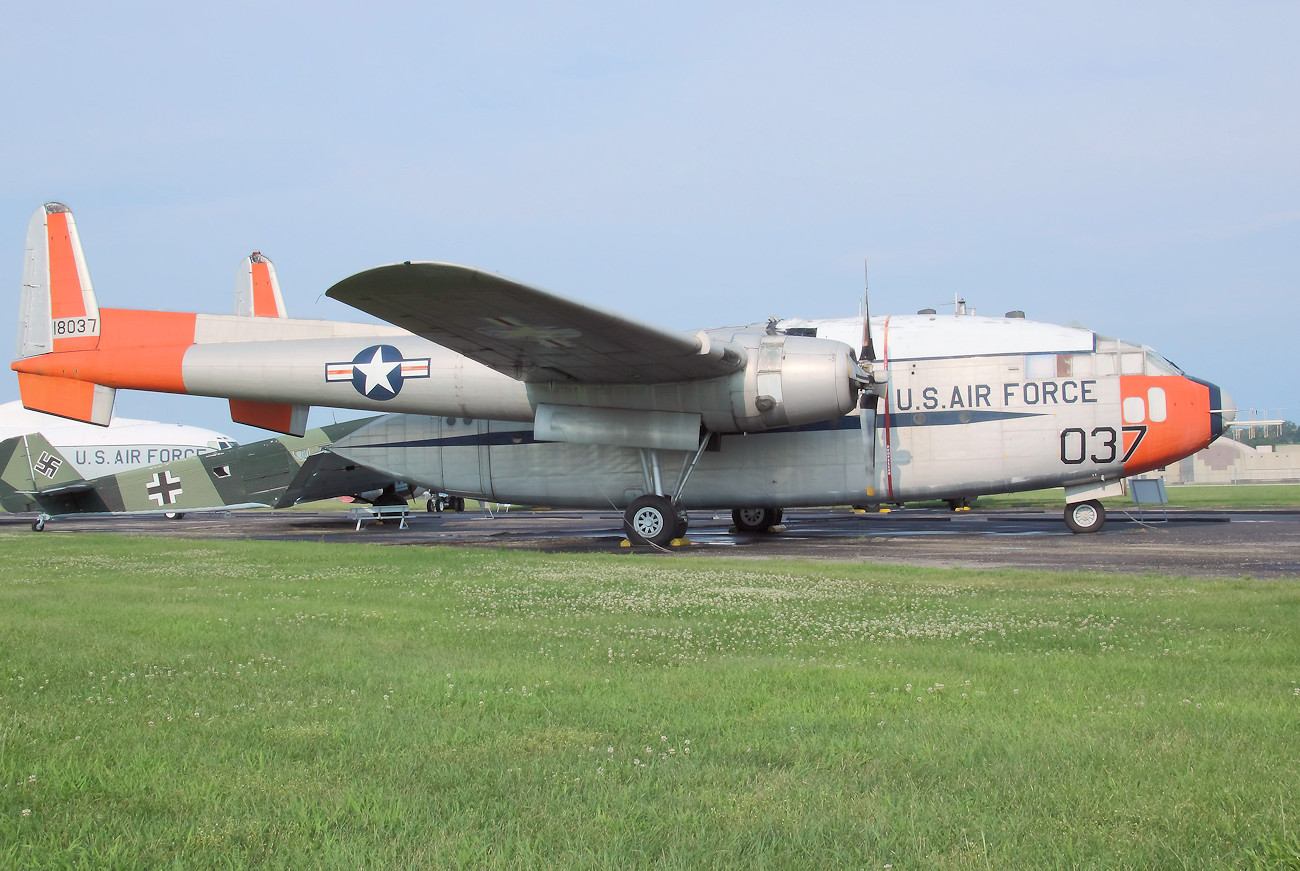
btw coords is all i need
(527, 333)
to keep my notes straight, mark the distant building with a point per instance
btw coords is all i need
(1231, 462)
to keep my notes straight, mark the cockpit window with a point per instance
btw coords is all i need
(1157, 365)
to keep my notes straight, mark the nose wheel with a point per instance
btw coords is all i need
(1085, 516)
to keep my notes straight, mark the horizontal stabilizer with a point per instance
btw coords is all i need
(64, 397)
(275, 416)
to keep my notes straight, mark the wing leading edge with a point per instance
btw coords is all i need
(528, 333)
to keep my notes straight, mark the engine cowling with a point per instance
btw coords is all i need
(790, 380)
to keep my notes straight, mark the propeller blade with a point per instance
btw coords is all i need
(868, 347)
(872, 386)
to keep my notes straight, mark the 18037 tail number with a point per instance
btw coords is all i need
(76, 326)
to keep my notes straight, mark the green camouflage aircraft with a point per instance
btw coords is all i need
(275, 473)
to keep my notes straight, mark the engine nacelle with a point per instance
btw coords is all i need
(785, 381)
(788, 381)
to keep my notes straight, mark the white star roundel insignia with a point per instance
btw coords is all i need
(378, 372)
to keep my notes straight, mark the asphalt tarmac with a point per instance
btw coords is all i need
(1229, 544)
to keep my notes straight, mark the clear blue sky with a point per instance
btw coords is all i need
(1134, 168)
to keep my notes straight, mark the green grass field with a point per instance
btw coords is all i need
(286, 705)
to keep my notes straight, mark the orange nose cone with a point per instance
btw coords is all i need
(1167, 418)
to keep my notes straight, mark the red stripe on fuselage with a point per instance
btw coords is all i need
(889, 451)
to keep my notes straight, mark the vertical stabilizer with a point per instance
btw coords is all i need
(33, 465)
(58, 311)
(257, 290)
(257, 295)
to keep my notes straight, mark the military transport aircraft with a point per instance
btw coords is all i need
(95, 451)
(505, 392)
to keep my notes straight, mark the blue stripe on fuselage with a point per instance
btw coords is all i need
(846, 422)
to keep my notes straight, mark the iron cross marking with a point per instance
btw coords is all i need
(164, 488)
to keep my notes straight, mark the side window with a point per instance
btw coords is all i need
(1040, 367)
(1045, 367)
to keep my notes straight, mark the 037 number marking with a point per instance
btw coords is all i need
(1100, 445)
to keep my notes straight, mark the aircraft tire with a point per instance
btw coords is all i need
(1084, 517)
(650, 520)
(432, 505)
(38, 525)
(683, 523)
(755, 519)
(174, 515)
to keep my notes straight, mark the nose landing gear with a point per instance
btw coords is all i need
(1084, 517)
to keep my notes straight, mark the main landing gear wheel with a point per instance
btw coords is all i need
(755, 519)
(652, 520)
(445, 503)
(1085, 516)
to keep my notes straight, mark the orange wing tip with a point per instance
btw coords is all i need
(275, 416)
(64, 397)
